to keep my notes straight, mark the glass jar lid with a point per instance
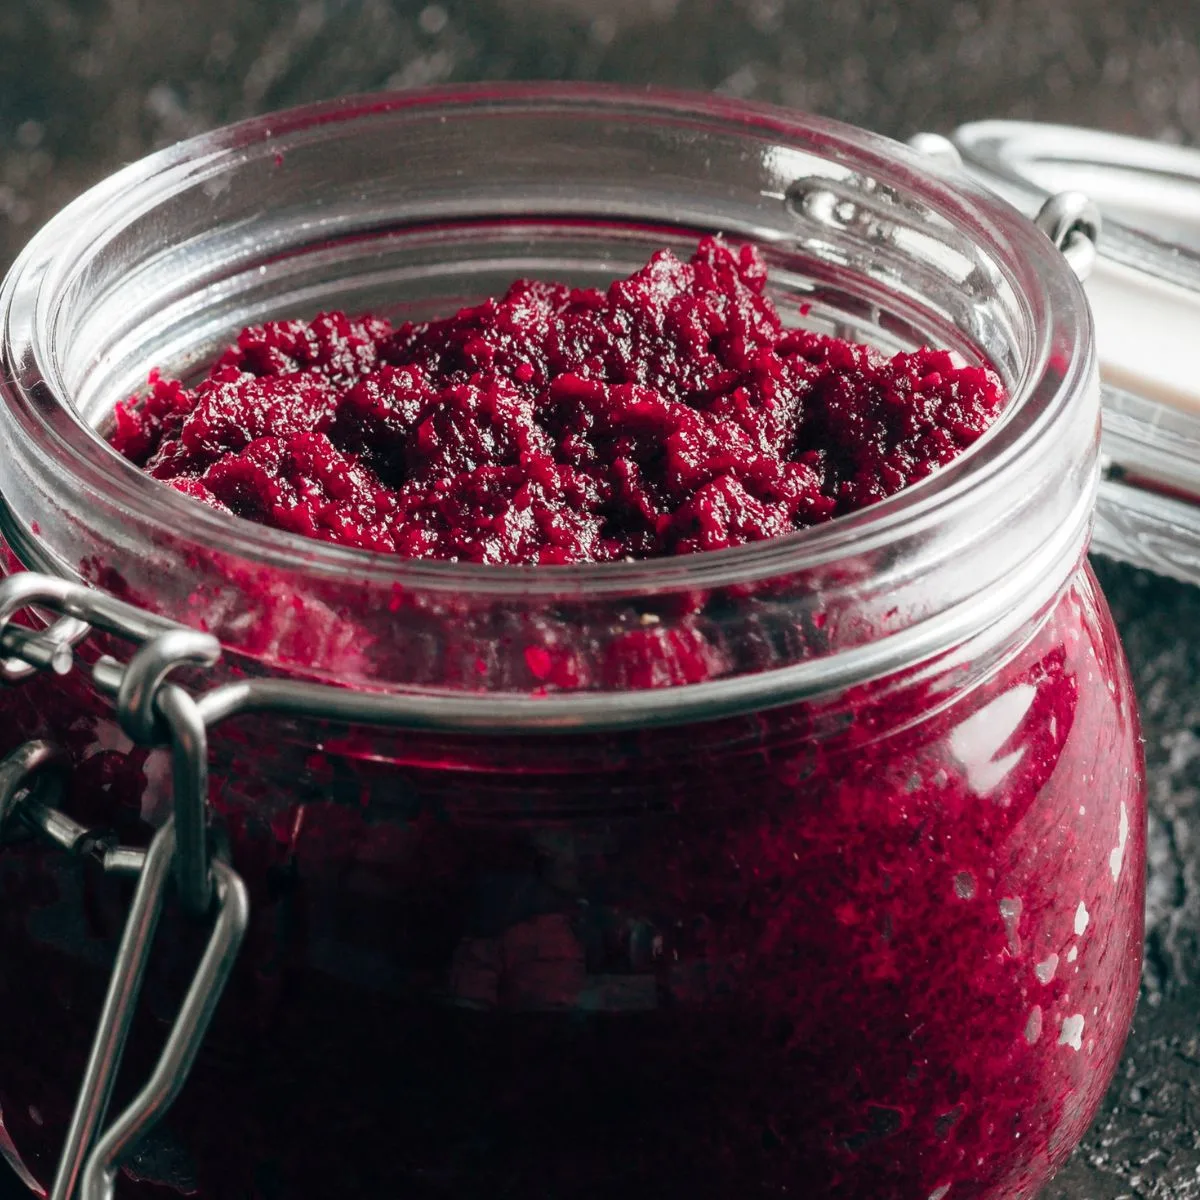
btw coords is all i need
(1144, 291)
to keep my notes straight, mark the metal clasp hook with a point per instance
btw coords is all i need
(1072, 222)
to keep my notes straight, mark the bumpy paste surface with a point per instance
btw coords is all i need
(669, 414)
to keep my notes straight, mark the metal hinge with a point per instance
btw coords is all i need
(1071, 220)
(154, 712)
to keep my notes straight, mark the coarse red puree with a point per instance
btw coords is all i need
(672, 413)
(882, 945)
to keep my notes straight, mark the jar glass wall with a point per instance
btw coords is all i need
(815, 864)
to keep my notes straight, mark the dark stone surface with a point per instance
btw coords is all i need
(88, 84)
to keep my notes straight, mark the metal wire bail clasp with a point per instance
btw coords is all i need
(1072, 222)
(154, 712)
(147, 706)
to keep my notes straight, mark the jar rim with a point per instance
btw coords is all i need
(1058, 371)
(137, 184)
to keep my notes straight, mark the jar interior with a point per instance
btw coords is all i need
(289, 227)
(417, 275)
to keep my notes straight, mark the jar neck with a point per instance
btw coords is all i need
(873, 239)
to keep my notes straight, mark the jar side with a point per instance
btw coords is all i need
(920, 940)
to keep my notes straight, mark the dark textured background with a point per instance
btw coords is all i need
(89, 84)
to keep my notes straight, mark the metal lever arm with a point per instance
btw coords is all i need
(117, 1013)
(187, 1034)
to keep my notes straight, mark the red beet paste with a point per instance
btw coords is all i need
(670, 414)
(882, 947)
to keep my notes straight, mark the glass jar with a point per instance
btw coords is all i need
(813, 866)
